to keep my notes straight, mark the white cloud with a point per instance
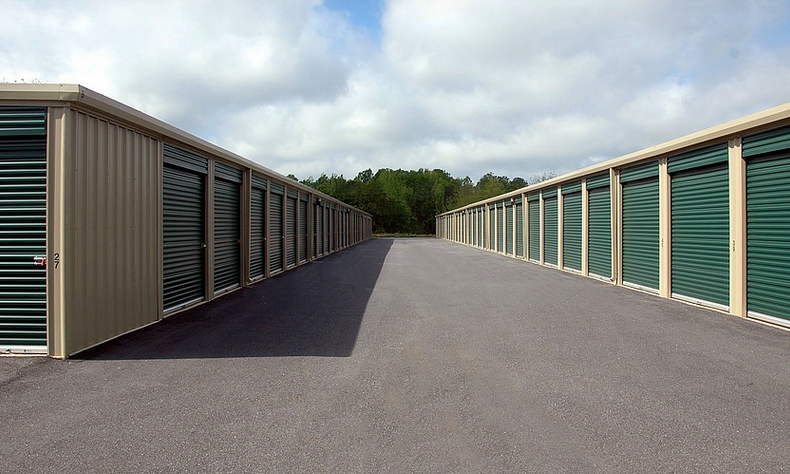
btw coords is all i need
(516, 88)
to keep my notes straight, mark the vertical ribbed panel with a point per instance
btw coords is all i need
(23, 218)
(302, 231)
(291, 230)
(320, 230)
(509, 231)
(519, 229)
(227, 234)
(533, 211)
(599, 238)
(701, 234)
(572, 231)
(275, 232)
(500, 225)
(768, 236)
(183, 242)
(550, 223)
(257, 233)
(110, 255)
(640, 233)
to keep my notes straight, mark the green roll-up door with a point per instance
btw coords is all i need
(258, 228)
(701, 234)
(302, 231)
(640, 233)
(23, 203)
(183, 235)
(599, 232)
(550, 223)
(768, 236)
(331, 219)
(257, 233)
(483, 237)
(491, 227)
(316, 230)
(519, 229)
(291, 230)
(227, 228)
(572, 231)
(500, 229)
(533, 211)
(509, 230)
(321, 230)
(275, 231)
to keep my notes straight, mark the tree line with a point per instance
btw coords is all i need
(406, 201)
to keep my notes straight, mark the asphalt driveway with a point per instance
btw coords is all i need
(412, 355)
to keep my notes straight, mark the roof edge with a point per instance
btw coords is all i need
(83, 98)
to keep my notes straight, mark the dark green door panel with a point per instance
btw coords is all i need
(572, 231)
(768, 235)
(640, 233)
(23, 200)
(701, 234)
(509, 230)
(183, 217)
(500, 224)
(550, 222)
(275, 232)
(257, 233)
(491, 228)
(599, 228)
(302, 231)
(519, 230)
(227, 235)
(533, 209)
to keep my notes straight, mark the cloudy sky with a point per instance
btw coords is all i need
(515, 87)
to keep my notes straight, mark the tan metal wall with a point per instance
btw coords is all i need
(110, 239)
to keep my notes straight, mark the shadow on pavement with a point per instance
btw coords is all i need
(315, 310)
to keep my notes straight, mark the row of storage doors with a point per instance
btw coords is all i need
(278, 241)
(699, 226)
(505, 227)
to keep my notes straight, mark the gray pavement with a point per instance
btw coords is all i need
(413, 355)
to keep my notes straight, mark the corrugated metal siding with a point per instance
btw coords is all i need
(257, 233)
(766, 142)
(599, 236)
(709, 156)
(111, 239)
(598, 181)
(701, 234)
(275, 232)
(640, 233)
(639, 172)
(572, 231)
(768, 235)
(533, 210)
(23, 218)
(227, 233)
(551, 221)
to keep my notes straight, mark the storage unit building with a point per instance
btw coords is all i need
(112, 220)
(703, 218)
